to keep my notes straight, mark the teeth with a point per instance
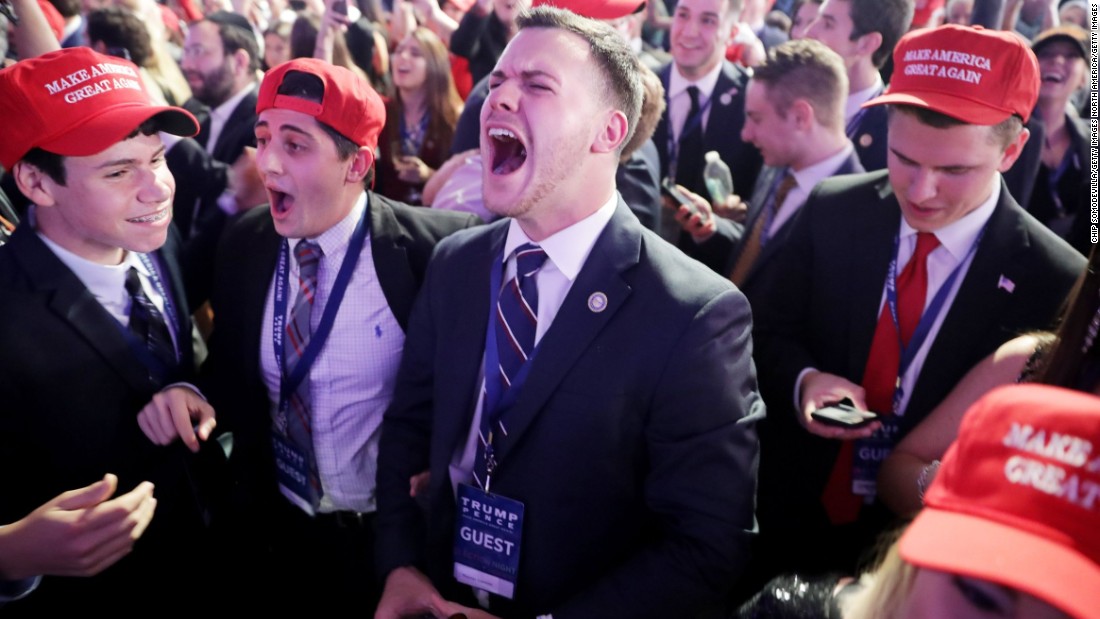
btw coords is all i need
(501, 133)
(159, 215)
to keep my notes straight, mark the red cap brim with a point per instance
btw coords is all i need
(114, 123)
(978, 547)
(960, 108)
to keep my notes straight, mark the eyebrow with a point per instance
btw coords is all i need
(284, 127)
(526, 75)
(956, 166)
(130, 161)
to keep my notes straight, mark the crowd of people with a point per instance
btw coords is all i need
(590, 308)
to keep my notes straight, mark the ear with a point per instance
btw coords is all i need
(34, 183)
(240, 61)
(612, 134)
(802, 113)
(1013, 151)
(361, 164)
(869, 43)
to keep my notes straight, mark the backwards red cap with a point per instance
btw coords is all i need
(976, 75)
(349, 105)
(75, 102)
(1017, 498)
(596, 9)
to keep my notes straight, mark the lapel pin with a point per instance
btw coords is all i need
(727, 97)
(865, 140)
(597, 302)
(1006, 284)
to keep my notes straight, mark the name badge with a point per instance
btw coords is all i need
(292, 471)
(869, 455)
(487, 541)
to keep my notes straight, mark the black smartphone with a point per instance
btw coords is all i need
(843, 415)
(341, 7)
(669, 189)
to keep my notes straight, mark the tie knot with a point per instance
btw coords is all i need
(133, 282)
(308, 254)
(927, 242)
(529, 259)
(693, 92)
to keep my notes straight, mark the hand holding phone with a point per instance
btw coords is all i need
(670, 189)
(843, 415)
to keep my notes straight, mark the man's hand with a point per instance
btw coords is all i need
(177, 412)
(412, 169)
(244, 181)
(408, 592)
(733, 209)
(699, 224)
(820, 389)
(78, 533)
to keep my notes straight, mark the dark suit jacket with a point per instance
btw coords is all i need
(723, 129)
(721, 251)
(628, 417)
(401, 241)
(238, 132)
(71, 388)
(869, 138)
(824, 314)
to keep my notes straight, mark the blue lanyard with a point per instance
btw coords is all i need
(908, 353)
(497, 401)
(689, 125)
(288, 383)
(770, 207)
(170, 315)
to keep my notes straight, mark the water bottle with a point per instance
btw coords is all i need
(717, 177)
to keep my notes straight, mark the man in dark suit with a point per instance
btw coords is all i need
(317, 130)
(712, 117)
(895, 285)
(93, 322)
(864, 33)
(794, 114)
(637, 394)
(220, 60)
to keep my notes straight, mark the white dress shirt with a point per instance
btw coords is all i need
(679, 101)
(854, 103)
(807, 178)
(352, 380)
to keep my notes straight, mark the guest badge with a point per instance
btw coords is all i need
(487, 541)
(292, 471)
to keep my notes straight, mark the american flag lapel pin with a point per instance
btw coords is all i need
(1006, 284)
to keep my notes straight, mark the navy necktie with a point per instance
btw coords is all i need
(147, 323)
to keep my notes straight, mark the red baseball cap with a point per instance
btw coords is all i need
(596, 9)
(976, 75)
(75, 102)
(1016, 500)
(349, 104)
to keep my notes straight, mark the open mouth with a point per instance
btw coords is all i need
(507, 152)
(153, 218)
(1053, 78)
(280, 200)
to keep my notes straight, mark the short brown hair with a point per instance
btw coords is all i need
(1003, 133)
(806, 69)
(890, 18)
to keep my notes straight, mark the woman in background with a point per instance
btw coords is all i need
(420, 118)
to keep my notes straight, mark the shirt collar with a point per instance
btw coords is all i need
(334, 241)
(105, 281)
(567, 248)
(856, 99)
(678, 83)
(958, 237)
(811, 175)
(223, 111)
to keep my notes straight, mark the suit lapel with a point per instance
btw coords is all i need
(71, 302)
(882, 214)
(726, 108)
(469, 307)
(391, 261)
(258, 265)
(576, 325)
(167, 260)
(234, 125)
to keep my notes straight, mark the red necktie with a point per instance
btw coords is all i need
(881, 373)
